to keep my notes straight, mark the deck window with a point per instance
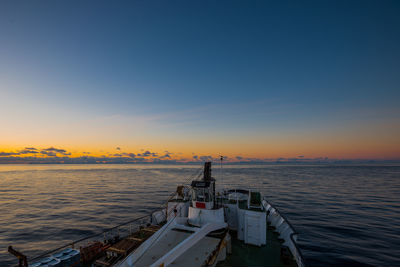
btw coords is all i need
(201, 194)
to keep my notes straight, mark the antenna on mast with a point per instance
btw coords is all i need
(221, 159)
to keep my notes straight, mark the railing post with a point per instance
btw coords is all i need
(22, 259)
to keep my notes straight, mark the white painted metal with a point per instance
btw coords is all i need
(193, 257)
(204, 196)
(241, 224)
(237, 196)
(135, 255)
(158, 216)
(180, 207)
(231, 213)
(285, 231)
(250, 225)
(255, 228)
(176, 223)
(199, 217)
(177, 251)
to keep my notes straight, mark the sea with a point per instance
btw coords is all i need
(346, 215)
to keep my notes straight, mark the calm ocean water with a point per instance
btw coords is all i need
(346, 215)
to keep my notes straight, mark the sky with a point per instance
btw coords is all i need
(187, 80)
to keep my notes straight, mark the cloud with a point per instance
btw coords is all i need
(147, 154)
(131, 155)
(48, 153)
(54, 155)
(206, 158)
(56, 150)
(166, 155)
(5, 154)
(118, 148)
(203, 158)
(28, 150)
(52, 152)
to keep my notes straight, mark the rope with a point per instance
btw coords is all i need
(196, 175)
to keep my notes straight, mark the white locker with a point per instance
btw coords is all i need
(255, 227)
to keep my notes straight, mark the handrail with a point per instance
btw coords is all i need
(104, 231)
(97, 234)
(91, 236)
(244, 191)
(292, 234)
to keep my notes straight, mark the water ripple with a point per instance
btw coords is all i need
(346, 215)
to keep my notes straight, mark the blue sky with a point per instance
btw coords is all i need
(245, 69)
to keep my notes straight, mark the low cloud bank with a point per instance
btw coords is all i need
(53, 155)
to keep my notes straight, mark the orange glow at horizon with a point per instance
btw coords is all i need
(263, 151)
(363, 141)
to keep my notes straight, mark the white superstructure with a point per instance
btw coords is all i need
(196, 229)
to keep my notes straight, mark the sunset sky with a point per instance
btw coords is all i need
(178, 80)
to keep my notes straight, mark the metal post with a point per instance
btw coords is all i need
(222, 181)
(22, 260)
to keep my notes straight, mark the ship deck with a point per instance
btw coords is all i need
(194, 256)
(249, 255)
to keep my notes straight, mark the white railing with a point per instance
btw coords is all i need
(285, 230)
